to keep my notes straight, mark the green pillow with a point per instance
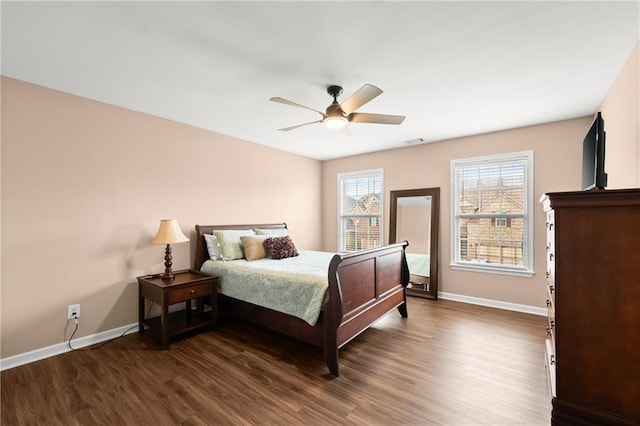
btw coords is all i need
(230, 244)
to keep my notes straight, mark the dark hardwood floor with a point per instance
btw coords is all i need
(447, 364)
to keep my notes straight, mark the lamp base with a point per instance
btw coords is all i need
(168, 273)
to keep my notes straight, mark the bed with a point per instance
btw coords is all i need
(361, 287)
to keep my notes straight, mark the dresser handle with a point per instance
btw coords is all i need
(548, 331)
(550, 256)
(550, 226)
(547, 249)
(551, 289)
(547, 274)
(192, 291)
(552, 324)
(552, 359)
(548, 302)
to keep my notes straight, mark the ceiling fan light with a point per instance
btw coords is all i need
(335, 122)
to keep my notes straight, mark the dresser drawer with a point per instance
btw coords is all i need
(551, 323)
(551, 261)
(550, 366)
(189, 292)
(550, 248)
(551, 217)
(551, 232)
(550, 274)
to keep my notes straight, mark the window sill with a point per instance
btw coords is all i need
(492, 270)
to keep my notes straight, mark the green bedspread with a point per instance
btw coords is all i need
(296, 286)
(419, 264)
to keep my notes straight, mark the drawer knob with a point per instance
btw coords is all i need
(548, 302)
(192, 291)
(552, 359)
(552, 324)
(551, 289)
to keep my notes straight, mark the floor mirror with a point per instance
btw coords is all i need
(415, 217)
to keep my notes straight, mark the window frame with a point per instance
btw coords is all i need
(526, 270)
(340, 215)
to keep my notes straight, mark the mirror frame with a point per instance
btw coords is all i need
(434, 193)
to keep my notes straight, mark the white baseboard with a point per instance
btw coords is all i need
(60, 348)
(494, 303)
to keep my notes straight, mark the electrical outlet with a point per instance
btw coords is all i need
(73, 311)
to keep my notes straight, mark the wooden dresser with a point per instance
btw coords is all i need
(593, 283)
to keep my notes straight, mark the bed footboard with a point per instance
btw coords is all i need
(363, 287)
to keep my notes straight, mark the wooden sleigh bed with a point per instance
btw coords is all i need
(362, 287)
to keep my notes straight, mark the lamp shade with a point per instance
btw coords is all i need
(169, 233)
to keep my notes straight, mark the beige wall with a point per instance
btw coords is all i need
(557, 151)
(84, 186)
(557, 167)
(621, 112)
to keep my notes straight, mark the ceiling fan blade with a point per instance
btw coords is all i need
(359, 98)
(286, 129)
(288, 102)
(361, 117)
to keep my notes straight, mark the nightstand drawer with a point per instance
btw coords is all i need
(189, 292)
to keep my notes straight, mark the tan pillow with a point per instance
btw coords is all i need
(254, 247)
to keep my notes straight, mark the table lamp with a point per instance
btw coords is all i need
(169, 233)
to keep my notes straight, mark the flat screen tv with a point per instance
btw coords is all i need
(593, 147)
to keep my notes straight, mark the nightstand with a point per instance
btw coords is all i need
(185, 287)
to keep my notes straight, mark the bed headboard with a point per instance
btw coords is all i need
(202, 254)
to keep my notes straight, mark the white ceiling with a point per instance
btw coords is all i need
(453, 68)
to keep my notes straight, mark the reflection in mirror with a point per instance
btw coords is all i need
(414, 218)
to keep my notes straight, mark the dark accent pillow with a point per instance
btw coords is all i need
(280, 247)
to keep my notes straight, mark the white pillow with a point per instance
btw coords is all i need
(212, 247)
(279, 232)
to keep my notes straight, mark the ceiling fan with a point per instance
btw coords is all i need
(337, 115)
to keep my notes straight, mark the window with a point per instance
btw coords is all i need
(492, 221)
(502, 222)
(360, 210)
